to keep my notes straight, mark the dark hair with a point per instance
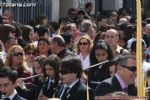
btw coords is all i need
(4, 31)
(54, 61)
(67, 36)
(40, 18)
(26, 29)
(7, 72)
(40, 59)
(133, 45)
(73, 65)
(70, 10)
(82, 12)
(54, 25)
(42, 30)
(100, 44)
(59, 40)
(88, 4)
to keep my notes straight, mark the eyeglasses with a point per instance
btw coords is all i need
(83, 43)
(64, 72)
(29, 53)
(18, 54)
(130, 68)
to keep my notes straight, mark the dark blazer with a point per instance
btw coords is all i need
(77, 92)
(112, 85)
(50, 91)
(17, 97)
(64, 53)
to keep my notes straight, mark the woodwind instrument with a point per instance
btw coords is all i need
(44, 85)
(30, 77)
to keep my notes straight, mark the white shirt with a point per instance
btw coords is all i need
(85, 62)
(13, 94)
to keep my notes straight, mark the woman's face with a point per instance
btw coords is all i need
(37, 68)
(101, 55)
(43, 47)
(83, 45)
(31, 35)
(49, 71)
(30, 55)
(17, 56)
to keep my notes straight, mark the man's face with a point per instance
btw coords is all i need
(67, 77)
(128, 75)
(6, 86)
(111, 38)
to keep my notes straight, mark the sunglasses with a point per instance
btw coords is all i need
(83, 43)
(64, 72)
(18, 54)
(131, 68)
(29, 53)
(73, 14)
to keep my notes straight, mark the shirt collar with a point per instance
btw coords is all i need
(13, 95)
(72, 84)
(123, 85)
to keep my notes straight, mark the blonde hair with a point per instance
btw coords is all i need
(8, 61)
(90, 43)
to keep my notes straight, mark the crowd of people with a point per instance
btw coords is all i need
(43, 60)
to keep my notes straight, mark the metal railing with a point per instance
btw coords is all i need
(26, 10)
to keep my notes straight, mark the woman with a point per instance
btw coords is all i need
(15, 59)
(52, 73)
(83, 48)
(27, 33)
(30, 52)
(43, 47)
(100, 52)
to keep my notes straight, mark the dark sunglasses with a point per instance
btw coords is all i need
(29, 53)
(64, 72)
(73, 14)
(18, 54)
(131, 68)
(83, 43)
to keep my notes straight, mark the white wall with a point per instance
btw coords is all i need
(55, 10)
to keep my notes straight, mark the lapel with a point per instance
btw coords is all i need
(74, 90)
(16, 97)
(115, 83)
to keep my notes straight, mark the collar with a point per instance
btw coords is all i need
(72, 84)
(13, 94)
(119, 49)
(123, 85)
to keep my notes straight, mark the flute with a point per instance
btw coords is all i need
(31, 77)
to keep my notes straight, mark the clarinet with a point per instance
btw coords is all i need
(44, 85)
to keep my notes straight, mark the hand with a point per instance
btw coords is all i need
(42, 97)
(20, 83)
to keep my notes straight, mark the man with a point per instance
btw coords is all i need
(88, 9)
(86, 27)
(111, 37)
(70, 75)
(58, 47)
(123, 80)
(8, 79)
(7, 36)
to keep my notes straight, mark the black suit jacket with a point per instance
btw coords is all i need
(50, 91)
(17, 97)
(112, 85)
(77, 92)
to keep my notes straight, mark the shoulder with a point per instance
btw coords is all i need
(104, 87)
